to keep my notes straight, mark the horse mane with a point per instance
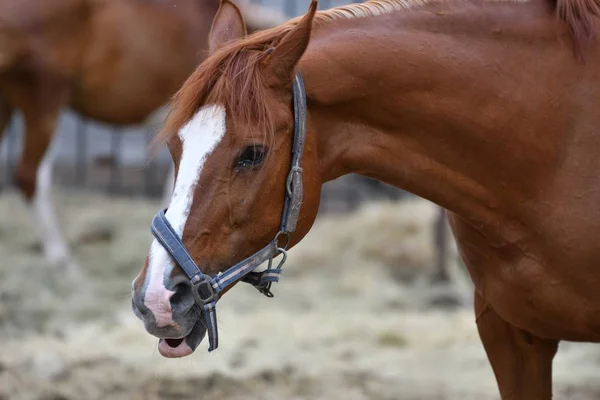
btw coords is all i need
(231, 75)
(579, 15)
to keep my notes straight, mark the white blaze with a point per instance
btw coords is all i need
(199, 137)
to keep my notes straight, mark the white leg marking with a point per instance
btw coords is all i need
(44, 218)
(199, 137)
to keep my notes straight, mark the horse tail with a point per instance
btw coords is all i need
(259, 17)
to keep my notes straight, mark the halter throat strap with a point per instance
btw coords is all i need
(206, 288)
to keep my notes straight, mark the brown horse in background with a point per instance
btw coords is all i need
(115, 61)
(491, 109)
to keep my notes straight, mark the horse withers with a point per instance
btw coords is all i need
(488, 108)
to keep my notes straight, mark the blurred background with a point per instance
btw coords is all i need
(373, 304)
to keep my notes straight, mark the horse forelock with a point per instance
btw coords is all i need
(229, 77)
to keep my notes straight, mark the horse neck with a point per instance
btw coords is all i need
(439, 106)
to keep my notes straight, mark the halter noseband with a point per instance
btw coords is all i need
(205, 288)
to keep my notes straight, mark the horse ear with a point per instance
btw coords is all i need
(227, 25)
(281, 61)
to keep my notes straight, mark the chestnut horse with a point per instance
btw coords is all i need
(491, 109)
(115, 61)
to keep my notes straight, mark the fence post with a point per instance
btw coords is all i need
(441, 240)
(291, 8)
(9, 138)
(116, 137)
(81, 148)
(150, 170)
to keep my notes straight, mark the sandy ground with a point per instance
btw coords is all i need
(354, 318)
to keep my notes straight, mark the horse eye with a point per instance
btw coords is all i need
(251, 156)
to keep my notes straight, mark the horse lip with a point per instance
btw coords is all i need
(187, 346)
(194, 338)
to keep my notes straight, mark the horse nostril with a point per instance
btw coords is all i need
(137, 306)
(179, 290)
(182, 300)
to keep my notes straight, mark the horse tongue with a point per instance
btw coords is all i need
(176, 348)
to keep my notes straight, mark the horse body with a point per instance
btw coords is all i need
(489, 109)
(527, 213)
(115, 61)
(96, 47)
(485, 111)
(113, 88)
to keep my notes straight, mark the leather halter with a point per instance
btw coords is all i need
(206, 288)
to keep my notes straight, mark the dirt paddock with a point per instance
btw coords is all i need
(354, 317)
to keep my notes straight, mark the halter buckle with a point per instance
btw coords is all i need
(279, 248)
(295, 169)
(202, 290)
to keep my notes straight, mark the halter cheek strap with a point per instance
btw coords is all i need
(206, 288)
